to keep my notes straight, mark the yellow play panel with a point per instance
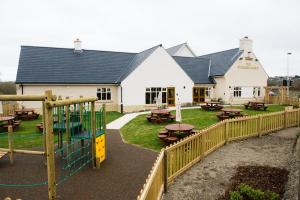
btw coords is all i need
(100, 147)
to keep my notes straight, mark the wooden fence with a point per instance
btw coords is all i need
(177, 158)
(283, 100)
(8, 108)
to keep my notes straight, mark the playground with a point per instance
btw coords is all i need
(68, 154)
(120, 177)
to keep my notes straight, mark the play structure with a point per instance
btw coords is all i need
(73, 135)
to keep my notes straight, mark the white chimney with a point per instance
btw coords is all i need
(77, 46)
(246, 44)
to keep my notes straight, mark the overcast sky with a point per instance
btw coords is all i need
(135, 25)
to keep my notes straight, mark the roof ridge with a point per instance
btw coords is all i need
(73, 48)
(186, 57)
(218, 52)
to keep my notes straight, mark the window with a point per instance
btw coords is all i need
(256, 91)
(208, 92)
(237, 92)
(104, 94)
(152, 94)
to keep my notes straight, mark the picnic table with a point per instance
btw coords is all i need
(7, 121)
(174, 132)
(26, 114)
(212, 106)
(160, 115)
(256, 105)
(229, 113)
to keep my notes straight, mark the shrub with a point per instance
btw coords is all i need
(251, 193)
(247, 192)
(235, 196)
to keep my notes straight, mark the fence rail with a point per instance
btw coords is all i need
(177, 158)
(284, 100)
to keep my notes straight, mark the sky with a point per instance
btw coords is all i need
(135, 25)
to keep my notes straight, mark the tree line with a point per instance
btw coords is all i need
(8, 87)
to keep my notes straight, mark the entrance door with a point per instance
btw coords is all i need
(171, 96)
(198, 95)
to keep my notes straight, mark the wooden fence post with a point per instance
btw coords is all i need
(10, 144)
(50, 148)
(259, 126)
(285, 119)
(203, 144)
(44, 131)
(226, 131)
(165, 172)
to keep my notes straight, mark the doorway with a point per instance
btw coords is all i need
(198, 95)
(171, 96)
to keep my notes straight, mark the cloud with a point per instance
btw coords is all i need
(136, 25)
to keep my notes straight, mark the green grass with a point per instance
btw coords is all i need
(139, 131)
(111, 116)
(27, 136)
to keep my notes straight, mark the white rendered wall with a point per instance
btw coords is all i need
(184, 51)
(158, 70)
(220, 88)
(246, 74)
(71, 91)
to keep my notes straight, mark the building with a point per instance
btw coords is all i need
(132, 81)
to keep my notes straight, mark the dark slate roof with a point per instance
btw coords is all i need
(222, 61)
(196, 68)
(62, 65)
(173, 50)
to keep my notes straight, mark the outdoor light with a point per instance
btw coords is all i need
(229, 86)
(183, 87)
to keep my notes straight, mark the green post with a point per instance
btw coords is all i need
(93, 124)
(104, 117)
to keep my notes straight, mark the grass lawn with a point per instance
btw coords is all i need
(111, 116)
(27, 136)
(139, 131)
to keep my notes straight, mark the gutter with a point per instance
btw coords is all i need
(22, 88)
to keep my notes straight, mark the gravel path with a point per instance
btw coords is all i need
(209, 178)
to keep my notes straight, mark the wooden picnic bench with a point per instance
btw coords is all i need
(26, 114)
(160, 115)
(9, 121)
(229, 113)
(256, 105)
(212, 106)
(175, 132)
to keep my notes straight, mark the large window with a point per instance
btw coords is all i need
(153, 93)
(256, 91)
(237, 91)
(208, 92)
(104, 94)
